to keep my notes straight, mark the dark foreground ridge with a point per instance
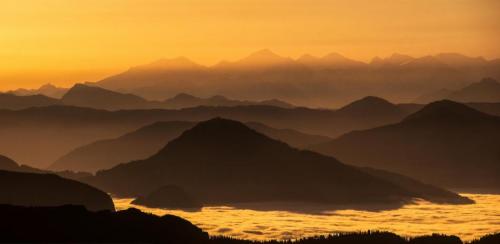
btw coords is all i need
(76, 224)
(33, 189)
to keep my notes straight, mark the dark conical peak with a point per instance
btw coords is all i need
(84, 88)
(223, 137)
(446, 111)
(370, 105)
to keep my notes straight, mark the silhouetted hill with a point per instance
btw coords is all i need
(291, 137)
(433, 96)
(48, 90)
(96, 97)
(169, 197)
(328, 81)
(11, 101)
(30, 189)
(135, 145)
(445, 143)
(150, 139)
(10, 165)
(371, 106)
(487, 90)
(222, 162)
(331, 61)
(184, 100)
(70, 224)
(71, 127)
(7, 163)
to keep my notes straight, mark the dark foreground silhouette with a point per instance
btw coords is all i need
(33, 189)
(76, 224)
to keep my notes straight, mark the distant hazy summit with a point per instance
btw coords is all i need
(487, 90)
(326, 81)
(445, 143)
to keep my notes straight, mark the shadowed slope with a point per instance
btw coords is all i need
(445, 143)
(96, 97)
(487, 90)
(222, 161)
(11, 101)
(148, 140)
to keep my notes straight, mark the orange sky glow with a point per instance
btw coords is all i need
(68, 41)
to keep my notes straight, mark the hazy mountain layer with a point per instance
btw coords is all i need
(222, 161)
(148, 140)
(328, 81)
(485, 91)
(39, 136)
(445, 143)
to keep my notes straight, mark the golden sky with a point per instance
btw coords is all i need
(68, 41)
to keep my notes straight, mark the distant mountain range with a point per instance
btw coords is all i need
(328, 81)
(90, 96)
(148, 140)
(25, 133)
(221, 161)
(71, 127)
(485, 91)
(445, 143)
(48, 90)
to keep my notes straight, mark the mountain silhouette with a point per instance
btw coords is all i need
(222, 161)
(148, 140)
(37, 224)
(169, 197)
(8, 164)
(72, 127)
(330, 61)
(484, 91)
(30, 189)
(264, 58)
(135, 145)
(370, 105)
(95, 97)
(445, 143)
(11, 101)
(395, 59)
(329, 81)
(184, 100)
(487, 90)
(433, 96)
(70, 224)
(48, 90)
